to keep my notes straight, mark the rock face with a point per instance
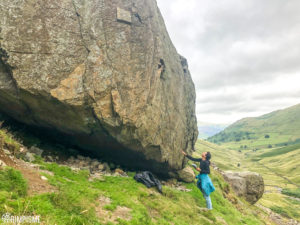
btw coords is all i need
(102, 74)
(249, 185)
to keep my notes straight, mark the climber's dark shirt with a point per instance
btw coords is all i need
(204, 164)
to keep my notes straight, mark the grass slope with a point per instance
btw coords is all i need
(280, 169)
(76, 200)
(280, 151)
(278, 128)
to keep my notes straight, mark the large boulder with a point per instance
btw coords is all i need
(100, 74)
(249, 185)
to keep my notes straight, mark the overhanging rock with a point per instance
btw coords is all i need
(112, 88)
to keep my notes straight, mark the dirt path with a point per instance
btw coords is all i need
(31, 172)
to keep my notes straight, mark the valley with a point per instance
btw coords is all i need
(278, 166)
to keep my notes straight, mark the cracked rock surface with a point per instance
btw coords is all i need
(112, 86)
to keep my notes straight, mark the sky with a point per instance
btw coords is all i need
(244, 56)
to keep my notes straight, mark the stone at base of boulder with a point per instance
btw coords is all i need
(29, 157)
(186, 174)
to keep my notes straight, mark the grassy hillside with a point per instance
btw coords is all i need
(277, 128)
(68, 196)
(280, 168)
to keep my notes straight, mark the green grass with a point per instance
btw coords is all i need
(8, 141)
(280, 211)
(64, 207)
(12, 181)
(76, 195)
(77, 198)
(291, 192)
(280, 151)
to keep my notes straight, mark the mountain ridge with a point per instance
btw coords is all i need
(279, 127)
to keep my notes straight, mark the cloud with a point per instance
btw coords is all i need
(243, 55)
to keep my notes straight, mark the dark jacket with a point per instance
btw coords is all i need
(204, 164)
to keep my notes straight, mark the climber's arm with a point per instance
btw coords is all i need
(191, 158)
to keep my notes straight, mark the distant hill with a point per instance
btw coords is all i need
(207, 130)
(277, 128)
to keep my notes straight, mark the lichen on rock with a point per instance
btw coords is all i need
(112, 88)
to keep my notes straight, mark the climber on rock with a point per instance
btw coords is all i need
(204, 182)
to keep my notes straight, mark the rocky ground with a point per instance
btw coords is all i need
(25, 162)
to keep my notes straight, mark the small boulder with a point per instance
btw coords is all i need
(106, 167)
(71, 160)
(101, 167)
(249, 185)
(44, 178)
(2, 163)
(36, 150)
(171, 181)
(82, 163)
(7, 152)
(94, 163)
(49, 158)
(120, 172)
(186, 174)
(88, 159)
(29, 157)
